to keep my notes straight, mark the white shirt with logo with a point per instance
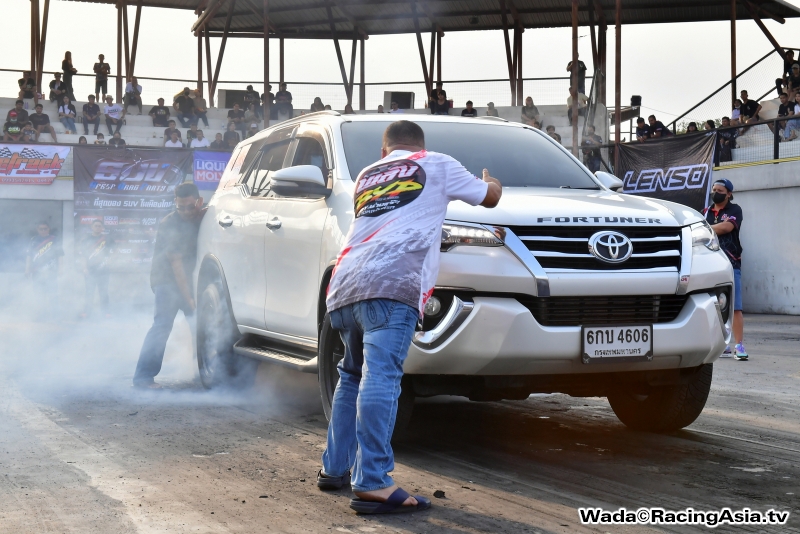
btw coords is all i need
(392, 249)
(114, 111)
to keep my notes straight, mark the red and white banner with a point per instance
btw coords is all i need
(31, 164)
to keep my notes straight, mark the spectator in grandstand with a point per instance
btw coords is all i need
(581, 75)
(642, 130)
(328, 107)
(57, 88)
(252, 131)
(583, 102)
(69, 71)
(440, 106)
(692, 128)
(67, 115)
(736, 114)
(27, 86)
(793, 125)
(100, 139)
(794, 81)
(551, 131)
(469, 111)
(530, 112)
(250, 115)
(380, 108)
(12, 129)
(29, 133)
(116, 140)
(184, 105)
(317, 105)
(537, 125)
(251, 98)
(174, 141)
(435, 94)
(750, 110)
(348, 110)
(19, 109)
(710, 125)
(133, 94)
(91, 115)
(41, 123)
(115, 114)
(82, 141)
(283, 108)
(236, 117)
(101, 71)
(200, 108)
(491, 111)
(231, 137)
(591, 151)
(171, 129)
(726, 139)
(783, 81)
(160, 114)
(267, 100)
(218, 143)
(395, 108)
(784, 110)
(199, 141)
(657, 128)
(191, 133)
(26, 137)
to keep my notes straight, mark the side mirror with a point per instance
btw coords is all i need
(300, 181)
(609, 180)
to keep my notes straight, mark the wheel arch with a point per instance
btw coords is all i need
(322, 309)
(211, 269)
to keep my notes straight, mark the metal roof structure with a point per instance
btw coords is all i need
(310, 18)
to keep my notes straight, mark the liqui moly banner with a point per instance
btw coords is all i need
(677, 169)
(208, 168)
(129, 190)
(31, 164)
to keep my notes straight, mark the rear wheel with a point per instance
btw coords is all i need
(664, 408)
(331, 352)
(216, 335)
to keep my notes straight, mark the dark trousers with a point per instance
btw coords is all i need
(111, 125)
(201, 116)
(187, 119)
(130, 99)
(87, 122)
(96, 281)
(167, 303)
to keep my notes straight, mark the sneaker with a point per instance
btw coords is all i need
(727, 352)
(740, 353)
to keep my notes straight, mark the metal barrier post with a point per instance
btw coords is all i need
(776, 139)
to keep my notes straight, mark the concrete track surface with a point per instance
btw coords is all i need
(81, 451)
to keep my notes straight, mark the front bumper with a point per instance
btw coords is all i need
(500, 336)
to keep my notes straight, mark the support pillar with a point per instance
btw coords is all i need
(428, 82)
(439, 56)
(42, 43)
(126, 41)
(280, 60)
(119, 51)
(602, 49)
(733, 52)
(520, 98)
(135, 45)
(574, 78)
(231, 7)
(200, 61)
(266, 48)
(338, 53)
(352, 79)
(432, 56)
(208, 68)
(362, 88)
(617, 83)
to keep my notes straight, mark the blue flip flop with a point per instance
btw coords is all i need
(393, 505)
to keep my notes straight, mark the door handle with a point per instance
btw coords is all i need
(274, 223)
(225, 222)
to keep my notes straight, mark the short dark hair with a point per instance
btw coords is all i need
(469, 102)
(591, 126)
(403, 133)
(726, 118)
(783, 94)
(39, 106)
(651, 117)
(639, 119)
(546, 128)
(187, 189)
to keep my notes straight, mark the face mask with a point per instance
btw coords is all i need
(718, 198)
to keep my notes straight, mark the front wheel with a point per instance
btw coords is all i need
(664, 408)
(331, 352)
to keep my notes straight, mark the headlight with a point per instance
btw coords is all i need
(703, 235)
(454, 235)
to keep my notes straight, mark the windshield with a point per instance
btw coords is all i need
(516, 156)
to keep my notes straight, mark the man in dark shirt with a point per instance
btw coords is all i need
(750, 108)
(57, 89)
(116, 140)
(91, 115)
(27, 86)
(185, 107)
(101, 71)
(93, 251)
(283, 103)
(726, 219)
(551, 131)
(642, 130)
(41, 123)
(657, 128)
(12, 129)
(218, 143)
(469, 111)
(591, 152)
(42, 260)
(19, 109)
(236, 116)
(251, 97)
(267, 100)
(174, 258)
(171, 130)
(788, 61)
(436, 92)
(581, 75)
(793, 84)
(726, 140)
(160, 113)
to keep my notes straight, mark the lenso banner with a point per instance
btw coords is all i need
(31, 164)
(208, 168)
(677, 169)
(129, 190)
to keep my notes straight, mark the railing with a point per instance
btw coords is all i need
(592, 108)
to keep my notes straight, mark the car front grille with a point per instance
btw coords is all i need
(568, 247)
(622, 310)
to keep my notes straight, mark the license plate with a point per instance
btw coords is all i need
(617, 343)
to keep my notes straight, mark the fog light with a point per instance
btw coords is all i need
(433, 307)
(723, 301)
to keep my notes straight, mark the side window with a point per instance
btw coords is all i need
(310, 151)
(233, 170)
(270, 160)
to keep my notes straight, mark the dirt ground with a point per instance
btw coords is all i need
(81, 451)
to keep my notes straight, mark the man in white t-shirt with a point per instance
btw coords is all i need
(200, 141)
(115, 115)
(174, 141)
(395, 108)
(383, 276)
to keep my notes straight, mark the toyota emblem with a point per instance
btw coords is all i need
(610, 247)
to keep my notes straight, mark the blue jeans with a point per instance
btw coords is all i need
(69, 124)
(791, 125)
(376, 335)
(168, 301)
(187, 119)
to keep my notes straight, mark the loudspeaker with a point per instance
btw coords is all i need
(636, 101)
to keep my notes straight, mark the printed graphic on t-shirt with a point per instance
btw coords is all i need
(388, 187)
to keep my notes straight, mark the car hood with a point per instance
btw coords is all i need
(528, 206)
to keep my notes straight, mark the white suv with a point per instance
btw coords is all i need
(565, 287)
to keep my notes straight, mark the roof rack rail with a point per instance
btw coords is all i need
(489, 117)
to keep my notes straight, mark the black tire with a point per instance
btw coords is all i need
(331, 351)
(665, 408)
(219, 366)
